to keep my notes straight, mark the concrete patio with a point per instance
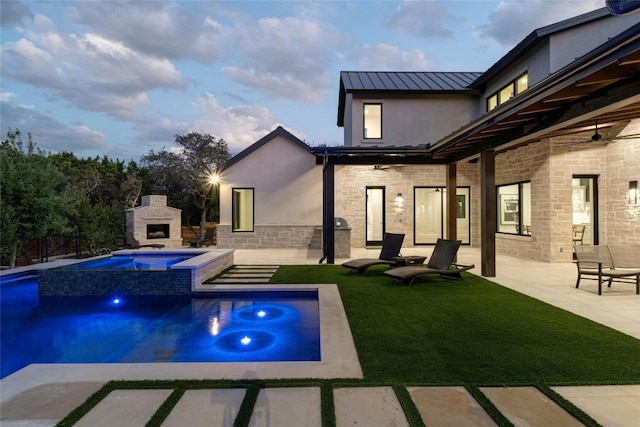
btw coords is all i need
(41, 395)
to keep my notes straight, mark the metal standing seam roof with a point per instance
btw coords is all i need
(407, 80)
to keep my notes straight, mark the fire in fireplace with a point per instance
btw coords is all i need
(157, 231)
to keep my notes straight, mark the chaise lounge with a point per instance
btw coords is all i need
(196, 242)
(391, 246)
(132, 243)
(441, 262)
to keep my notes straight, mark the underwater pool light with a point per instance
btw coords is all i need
(116, 301)
(262, 313)
(246, 340)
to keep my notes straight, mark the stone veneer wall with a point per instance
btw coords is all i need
(550, 166)
(400, 179)
(267, 236)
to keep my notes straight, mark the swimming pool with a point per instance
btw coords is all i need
(134, 261)
(221, 327)
(138, 272)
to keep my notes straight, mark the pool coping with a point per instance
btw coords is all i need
(339, 358)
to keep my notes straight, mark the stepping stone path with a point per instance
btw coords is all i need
(247, 274)
(301, 406)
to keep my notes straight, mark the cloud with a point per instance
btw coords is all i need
(286, 57)
(512, 21)
(166, 30)
(240, 126)
(384, 57)
(422, 19)
(87, 70)
(14, 13)
(49, 134)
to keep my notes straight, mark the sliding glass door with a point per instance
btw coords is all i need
(430, 213)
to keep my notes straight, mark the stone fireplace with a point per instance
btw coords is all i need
(155, 222)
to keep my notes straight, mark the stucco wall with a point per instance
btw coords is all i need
(413, 120)
(287, 193)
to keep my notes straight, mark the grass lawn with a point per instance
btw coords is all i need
(442, 331)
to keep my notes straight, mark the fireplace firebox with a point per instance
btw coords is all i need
(157, 231)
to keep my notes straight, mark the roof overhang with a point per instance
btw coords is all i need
(604, 84)
(374, 155)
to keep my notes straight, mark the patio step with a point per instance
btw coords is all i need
(367, 406)
(247, 274)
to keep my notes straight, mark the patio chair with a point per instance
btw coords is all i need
(206, 240)
(578, 234)
(441, 262)
(391, 246)
(132, 243)
(597, 261)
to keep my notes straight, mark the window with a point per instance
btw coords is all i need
(372, 121)
(514, 88)
(242, 209)
(514, 208)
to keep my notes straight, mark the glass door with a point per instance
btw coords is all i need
(375, 216)
(585, 209)
(430, 213)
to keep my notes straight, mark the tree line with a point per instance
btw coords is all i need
(45, 194)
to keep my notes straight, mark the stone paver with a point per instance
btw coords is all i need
(48, 401)
(241, 281)
(368, 406)
(528, 407)
(125, 408)
(215, 408)
(611, 406)
(298, 407)
(449, 406)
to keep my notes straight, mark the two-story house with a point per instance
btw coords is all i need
(514, 160)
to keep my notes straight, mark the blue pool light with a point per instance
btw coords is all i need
(261, 313)
(246, 340)
(116, 301)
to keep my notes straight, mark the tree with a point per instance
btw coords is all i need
(31, 195)
(185, 176)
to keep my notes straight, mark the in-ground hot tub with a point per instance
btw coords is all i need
(136, 272)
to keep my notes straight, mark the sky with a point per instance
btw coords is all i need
(122, 78)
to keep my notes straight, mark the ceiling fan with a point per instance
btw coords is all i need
(610, 135)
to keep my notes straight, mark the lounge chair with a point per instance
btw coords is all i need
(132, 243)
(608, 263)
(441, 262)
(391, 246)
(196, 242)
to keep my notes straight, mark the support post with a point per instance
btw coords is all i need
(488, 213)
(452, 221)
(328, 203)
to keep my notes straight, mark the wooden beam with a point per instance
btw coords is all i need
(488, 213)
(452, 185)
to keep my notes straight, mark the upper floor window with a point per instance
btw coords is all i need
(514, 88)
(372, 121)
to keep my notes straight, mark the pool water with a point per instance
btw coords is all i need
(228, 327)
(142, 261)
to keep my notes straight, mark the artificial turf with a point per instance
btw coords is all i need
(471, 331)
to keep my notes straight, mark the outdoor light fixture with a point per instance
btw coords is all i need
(399, 201)
(214, 178)
(633, 192)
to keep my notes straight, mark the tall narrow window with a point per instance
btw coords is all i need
(514, 208)
(242, 209)
(430, 212)
(372, 121)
